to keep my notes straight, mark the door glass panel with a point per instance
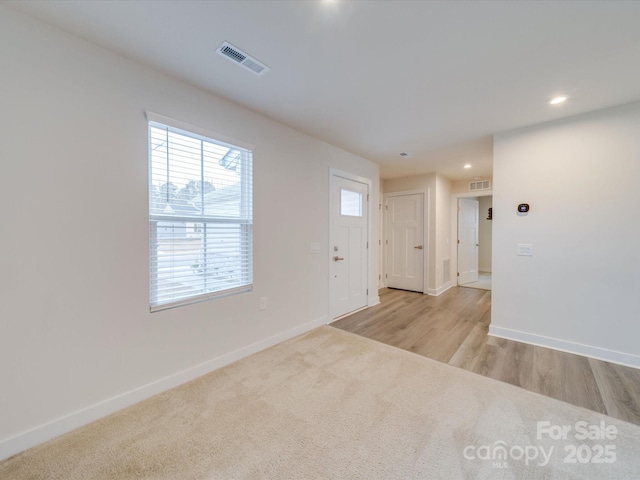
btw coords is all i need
(350, 203)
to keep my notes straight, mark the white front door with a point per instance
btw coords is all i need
(348, 246)
(468, 216)
(405, 242)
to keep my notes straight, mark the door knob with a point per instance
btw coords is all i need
(419, 247)
(337, 259)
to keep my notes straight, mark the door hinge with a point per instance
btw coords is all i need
(379, 242)
(367, 244)
(379, 277)
(458, 242)
(458, 273)
(386, 242)
(367, 197)
(367, 291)
(386, 275)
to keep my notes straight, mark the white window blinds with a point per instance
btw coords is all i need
(200, 217)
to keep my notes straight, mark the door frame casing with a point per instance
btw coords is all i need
(425, 233)
(372, 295)
(454, 228)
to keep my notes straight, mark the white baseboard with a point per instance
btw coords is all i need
(373, 301)
(598, 353)
(439, 291)
(59, 426)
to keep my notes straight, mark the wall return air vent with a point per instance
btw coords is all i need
(480, 185)
(241, 58)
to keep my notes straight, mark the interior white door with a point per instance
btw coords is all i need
(348, 246)
(405, 242)
(468, 219)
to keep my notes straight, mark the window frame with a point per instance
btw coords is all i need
(244, 222)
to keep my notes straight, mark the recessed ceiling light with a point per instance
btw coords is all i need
(403, 154)
(557, 100)
(468, 165)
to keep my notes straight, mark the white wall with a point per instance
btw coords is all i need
(484, 234)
(437, 190)
(443, 228)
(77, 338)
(580, 290)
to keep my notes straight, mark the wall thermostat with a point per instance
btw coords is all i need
(523, 208)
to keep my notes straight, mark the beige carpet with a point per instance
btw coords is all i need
(330, 404)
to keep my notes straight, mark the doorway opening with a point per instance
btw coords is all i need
(475, 215)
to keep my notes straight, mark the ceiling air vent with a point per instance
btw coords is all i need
(243, 59)
(480, 185)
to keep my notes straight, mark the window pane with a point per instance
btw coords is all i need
(200, 208)
(193, 177)
(199, 258)
(350, 203)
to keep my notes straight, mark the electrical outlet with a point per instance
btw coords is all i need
(525, 249)
(263, 303)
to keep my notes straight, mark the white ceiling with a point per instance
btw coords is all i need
(433, 79)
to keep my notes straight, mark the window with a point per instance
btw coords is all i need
(350, 203)
(200, 217)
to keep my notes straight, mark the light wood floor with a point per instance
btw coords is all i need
(452, 328)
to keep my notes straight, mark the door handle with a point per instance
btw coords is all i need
(337, 259)
(419, 247)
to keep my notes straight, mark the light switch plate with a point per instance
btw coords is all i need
(525, 249)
